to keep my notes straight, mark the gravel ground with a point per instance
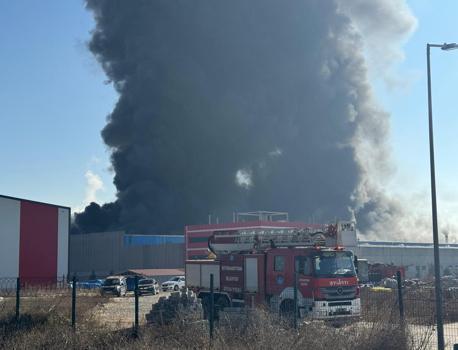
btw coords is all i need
(119, 312)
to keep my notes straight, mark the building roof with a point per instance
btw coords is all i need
(29, 200)
(154, 272)
(394, 244)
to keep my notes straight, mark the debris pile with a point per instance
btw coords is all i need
(167, 310)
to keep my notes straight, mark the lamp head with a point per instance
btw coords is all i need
(451, 46)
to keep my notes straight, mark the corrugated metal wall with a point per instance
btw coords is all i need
(105, 253)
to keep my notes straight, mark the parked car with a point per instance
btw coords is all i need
(91, 284)
(116, 285)
(175, 283)
(148, 285)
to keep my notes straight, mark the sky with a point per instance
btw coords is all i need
(407, 104)
(54, 103)
(54, 100)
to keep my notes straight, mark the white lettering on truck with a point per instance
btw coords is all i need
(231, 268)
(339, 282)
(232, 278)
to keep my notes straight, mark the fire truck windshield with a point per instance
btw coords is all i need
(334, 264)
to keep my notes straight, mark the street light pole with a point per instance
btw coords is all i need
(437, 272)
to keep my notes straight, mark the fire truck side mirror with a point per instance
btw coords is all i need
(355, 260)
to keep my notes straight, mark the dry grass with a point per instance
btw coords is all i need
(43, 321)
(45, 324)
(263, 330)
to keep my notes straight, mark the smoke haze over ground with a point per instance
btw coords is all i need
(244, 105)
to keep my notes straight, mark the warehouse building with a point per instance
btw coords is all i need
(34, 240)
(105, 253)
(416, 258)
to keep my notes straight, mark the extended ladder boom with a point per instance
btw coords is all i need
(259, 239)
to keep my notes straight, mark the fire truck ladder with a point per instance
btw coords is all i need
(258, 239)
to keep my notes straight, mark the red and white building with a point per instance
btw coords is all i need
(196, 236)
(33, 240)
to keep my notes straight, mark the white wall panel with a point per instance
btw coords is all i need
(205, 277)
(193, 275)
(251, 275)
(62, 241)
(10, 211)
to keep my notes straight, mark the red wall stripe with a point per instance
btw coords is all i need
(38, 242)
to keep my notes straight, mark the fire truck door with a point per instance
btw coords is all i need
(276, 273)
(303, 266)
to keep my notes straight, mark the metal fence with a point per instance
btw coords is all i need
(43, 295)
(414, 309)
(411, 309)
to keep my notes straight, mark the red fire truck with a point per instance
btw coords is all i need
(255, 267)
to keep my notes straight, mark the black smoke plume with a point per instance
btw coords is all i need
(233, 105)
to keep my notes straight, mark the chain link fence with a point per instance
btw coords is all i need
(382, 310)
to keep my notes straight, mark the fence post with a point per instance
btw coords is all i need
(73, 302)
(295, 299)
(400, 297)
(18, 297)
(136, 306)
(212, 306)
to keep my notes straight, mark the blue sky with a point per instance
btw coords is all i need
(408, 109)
(408, 106)
(54, 103)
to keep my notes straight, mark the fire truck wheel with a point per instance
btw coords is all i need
(206, 306)
(287, 309)
(222, 303)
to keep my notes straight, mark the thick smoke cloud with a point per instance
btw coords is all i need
(384, 26)
(236, 105)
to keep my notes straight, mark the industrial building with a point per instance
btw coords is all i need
(34, 240)
(416, 258)
(110, 252)
(104, 253)
(35, 245)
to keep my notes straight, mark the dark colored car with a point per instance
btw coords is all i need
(147, 286)
(116, 285)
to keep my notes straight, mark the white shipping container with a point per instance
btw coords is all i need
(198, 275)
